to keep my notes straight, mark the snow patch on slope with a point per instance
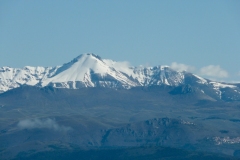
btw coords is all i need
(218, 86)
(201, 80)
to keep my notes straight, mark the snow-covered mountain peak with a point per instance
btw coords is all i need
(85, 69)
(86, 56)
(89, 60)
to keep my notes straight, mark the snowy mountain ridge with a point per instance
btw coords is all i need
(15, 77)
(90, 70)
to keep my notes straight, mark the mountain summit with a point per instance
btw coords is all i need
(87, 70)
(90, 70)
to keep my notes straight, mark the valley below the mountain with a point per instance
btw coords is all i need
(50, 121)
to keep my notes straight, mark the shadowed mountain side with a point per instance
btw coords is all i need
(130, 153)
(89, 97)
(136, 104)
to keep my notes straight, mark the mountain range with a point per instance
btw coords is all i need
(90, 70)
(94, 108)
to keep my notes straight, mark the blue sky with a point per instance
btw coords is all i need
(199, 36)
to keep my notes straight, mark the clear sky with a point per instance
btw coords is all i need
(200, 36)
